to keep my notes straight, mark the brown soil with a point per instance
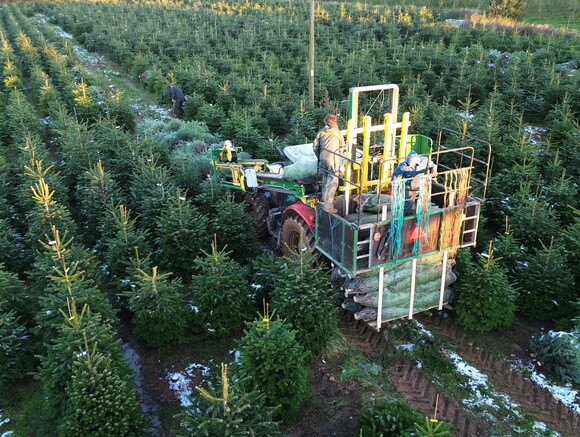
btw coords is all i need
(334, 406)
(411, 384)
(487, 357)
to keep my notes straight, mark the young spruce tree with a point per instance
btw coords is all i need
(302, 295)
(56, 368)
(235, 413)
(221, 293)
(13, 345)
(272, 362)
(546, 286)
(157, 306)
(182, 232)
(486, 300)
(101, 400)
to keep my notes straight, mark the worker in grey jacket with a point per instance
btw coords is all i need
(329, 147)
(177, 97)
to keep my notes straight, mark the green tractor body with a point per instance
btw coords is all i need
(395, 261)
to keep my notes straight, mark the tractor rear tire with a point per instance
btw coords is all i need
(259, 206)
(296, 237)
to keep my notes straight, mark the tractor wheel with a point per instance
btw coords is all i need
(296, 237)
(259, 207)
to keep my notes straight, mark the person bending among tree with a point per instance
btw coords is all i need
(329, 147)
(177, 98)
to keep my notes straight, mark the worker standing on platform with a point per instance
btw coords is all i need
(329, 148)
(411, 169)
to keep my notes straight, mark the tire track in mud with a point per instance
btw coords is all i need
(407, 378)
(532, 398)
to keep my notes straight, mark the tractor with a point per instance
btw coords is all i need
(393, 262)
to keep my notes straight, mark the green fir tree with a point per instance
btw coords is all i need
(486, 300)
(150, 188)
(235, 413)
(272, 362)
(233, 226)
(302, 295)
(264, 270)
(509, 252)
(122, 240)
(209, 194)
(182, 232)
(56, 365)
(13, 346)
(16, 296)
(96, 192)
(546, 285)
(47, 212)
(67, 281)
(158, 309)
(569, 239)
(559, 353)
(100, 399)
(221, 293)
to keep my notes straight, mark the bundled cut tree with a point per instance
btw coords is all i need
(430, 287)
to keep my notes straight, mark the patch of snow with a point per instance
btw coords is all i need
(536, 134)
(483, 393)
(203, 370)
(236, 354)
(466, 115)
(456, 22)
(4, 421)
(181, 384)
(565, 394)
(424, 330)
(406, 347)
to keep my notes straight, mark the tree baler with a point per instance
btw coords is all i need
(393, 264)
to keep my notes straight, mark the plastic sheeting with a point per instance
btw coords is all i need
(304, 162)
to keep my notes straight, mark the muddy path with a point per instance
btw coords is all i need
(532, 398)
(407, 378)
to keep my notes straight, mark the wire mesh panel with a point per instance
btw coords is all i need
(336, 239)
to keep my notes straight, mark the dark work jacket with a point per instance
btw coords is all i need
(176, 94)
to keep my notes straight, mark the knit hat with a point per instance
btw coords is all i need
(413, 159)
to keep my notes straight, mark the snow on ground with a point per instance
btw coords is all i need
(181, 382)
(565, 394)
(483, 393)
(4, 421)
(536, 134)
(152, 111)
(95, 61)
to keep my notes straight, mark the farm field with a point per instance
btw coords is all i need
(127, 274)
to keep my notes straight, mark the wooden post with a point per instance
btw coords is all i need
(311, 83)
(443, 275)
(381, 282)
(413, 278)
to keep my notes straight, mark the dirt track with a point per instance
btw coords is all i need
(419, 392)
(415, 388)
(532, 398)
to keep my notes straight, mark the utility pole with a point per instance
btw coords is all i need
(311, 83)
